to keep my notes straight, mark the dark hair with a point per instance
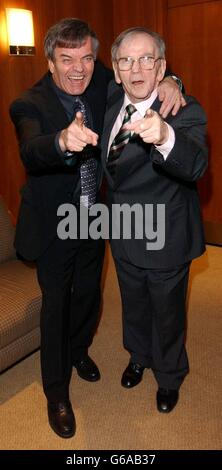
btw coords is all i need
(70, 33)
(138, 29)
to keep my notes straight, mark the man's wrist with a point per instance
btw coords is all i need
(65, 154)
(164, 136)
(166, 148)
(178, 81)
(61, 142)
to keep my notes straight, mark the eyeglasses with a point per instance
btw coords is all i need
(146, 62)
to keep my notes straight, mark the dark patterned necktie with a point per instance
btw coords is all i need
(121, 139)
(88, 167)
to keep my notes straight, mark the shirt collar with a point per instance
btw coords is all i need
(65, 98)
(142, 106)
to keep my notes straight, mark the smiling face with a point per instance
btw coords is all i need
(138, 83)
(72, 68)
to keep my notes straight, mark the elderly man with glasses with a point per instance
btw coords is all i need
(152, 162)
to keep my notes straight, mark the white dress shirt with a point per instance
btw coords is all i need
(140, 112)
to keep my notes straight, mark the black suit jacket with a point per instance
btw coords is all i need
(143, 176)
(38, 115)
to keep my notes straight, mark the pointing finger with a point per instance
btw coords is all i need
(149, 113)
(79, 119)
(133, 125)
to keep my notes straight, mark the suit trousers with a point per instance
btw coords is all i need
(154, 319)
(69, 274)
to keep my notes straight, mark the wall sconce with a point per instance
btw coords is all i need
(20, 31)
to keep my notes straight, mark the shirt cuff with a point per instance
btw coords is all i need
(166, 148)
(68, 157)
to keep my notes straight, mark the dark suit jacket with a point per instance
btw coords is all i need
(38, 115)
(142, 176)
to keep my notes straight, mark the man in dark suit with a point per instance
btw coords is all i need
(58, 122)
(69, 271)
(152, 164)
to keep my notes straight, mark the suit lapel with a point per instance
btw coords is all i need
(127, 162)
(55, 112)
(156, 105)
(135, 153)
(110, 118)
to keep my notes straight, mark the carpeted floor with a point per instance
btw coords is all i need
(110, 417)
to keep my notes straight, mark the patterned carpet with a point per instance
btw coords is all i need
(110, 417)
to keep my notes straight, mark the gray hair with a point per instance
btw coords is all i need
(130, 32)
(70, 33)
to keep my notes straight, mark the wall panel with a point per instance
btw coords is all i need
(98, 13)
(128, 13)
(194, 36)
(17, 74)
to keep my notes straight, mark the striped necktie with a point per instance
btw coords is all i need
(88, 167)
(121, 139)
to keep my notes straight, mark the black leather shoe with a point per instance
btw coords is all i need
(61, 418)
(87, 369)
(132, 375)
(166, 399)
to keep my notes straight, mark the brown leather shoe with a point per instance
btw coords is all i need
(166, 399)
(132, 375)
(61, 418)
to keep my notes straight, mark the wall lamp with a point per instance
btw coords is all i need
(20, 31)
